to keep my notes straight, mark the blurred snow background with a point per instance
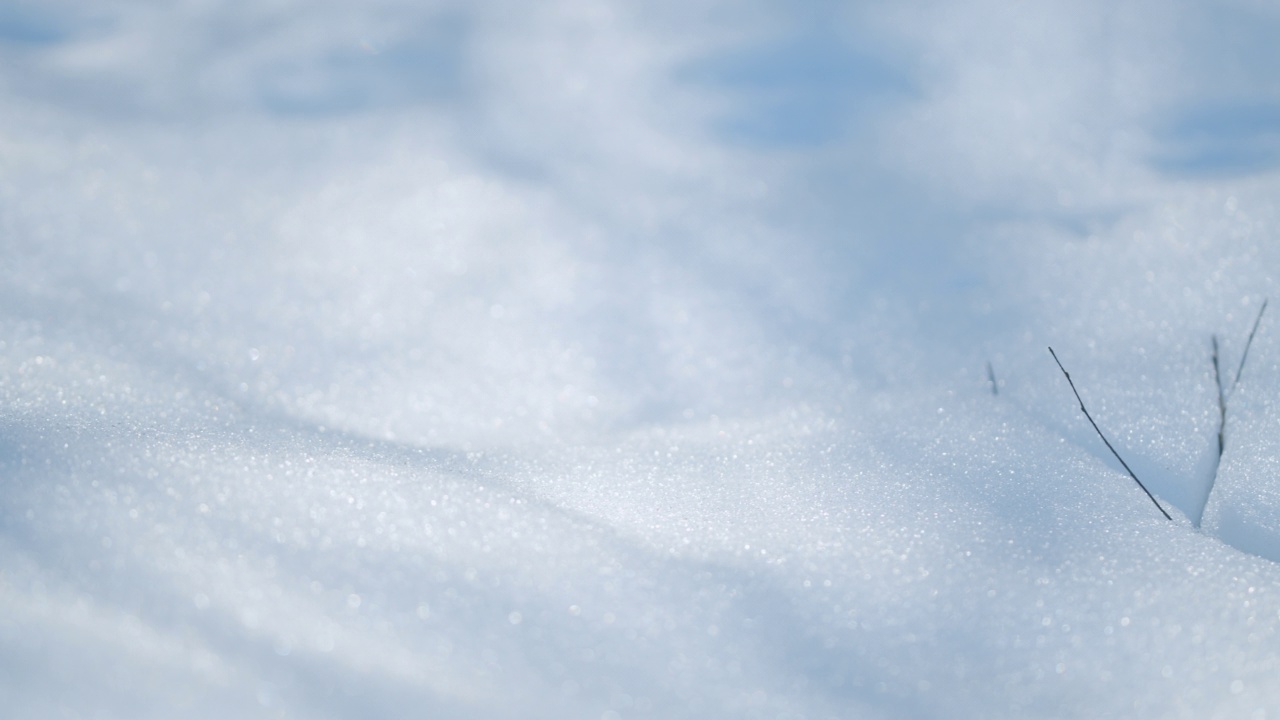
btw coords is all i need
(623, 360)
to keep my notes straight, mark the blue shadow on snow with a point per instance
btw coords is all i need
(1221, 140)
(29, 24)
(802, 92)
(427, 65)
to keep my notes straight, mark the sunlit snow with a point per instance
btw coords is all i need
(593, 359)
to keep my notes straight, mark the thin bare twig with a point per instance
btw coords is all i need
(1222, 398)
(991, 375)
(1225, 392)
(1249, 343)
(1104, 437)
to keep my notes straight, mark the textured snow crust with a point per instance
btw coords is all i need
(598, 360)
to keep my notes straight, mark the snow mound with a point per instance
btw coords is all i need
(585, 360)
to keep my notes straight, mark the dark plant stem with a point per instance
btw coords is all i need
(991, 375)
(1224, 393)
(1104, 437)
(1248, 343)
(1222, 398)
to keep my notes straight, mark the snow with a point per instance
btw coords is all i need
(614, 360)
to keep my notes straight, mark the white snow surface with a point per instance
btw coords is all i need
(601, 359)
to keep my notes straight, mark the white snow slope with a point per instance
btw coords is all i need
(601, 359)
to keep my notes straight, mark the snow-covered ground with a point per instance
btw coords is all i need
(591, 359)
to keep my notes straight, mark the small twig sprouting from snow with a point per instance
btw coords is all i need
(1223, 392)
(991, 375)
(1247, 344)
(1104, 437)
(1222, 398)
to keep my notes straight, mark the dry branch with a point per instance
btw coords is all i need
(1105, 441)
